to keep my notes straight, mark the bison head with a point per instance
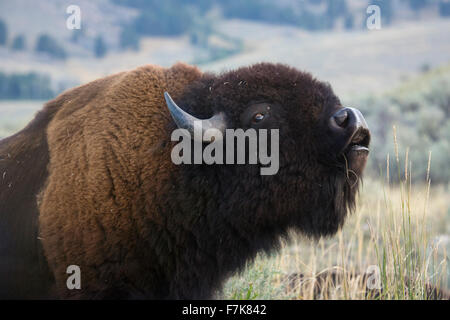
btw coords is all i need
(323, 148)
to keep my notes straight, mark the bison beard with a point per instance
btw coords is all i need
(139, 226)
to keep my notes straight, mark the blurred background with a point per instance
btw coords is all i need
(397, 75)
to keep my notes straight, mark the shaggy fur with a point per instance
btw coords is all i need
(23, 168)
(139, 226)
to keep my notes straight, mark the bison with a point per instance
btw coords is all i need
(90, 182)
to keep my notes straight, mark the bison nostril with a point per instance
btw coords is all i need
(348, 128)
(341, 118)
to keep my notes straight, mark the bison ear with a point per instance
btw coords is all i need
(186, 121)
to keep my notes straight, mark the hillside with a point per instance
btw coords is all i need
(315, 35)
(374, 60)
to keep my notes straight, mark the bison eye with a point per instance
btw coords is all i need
(258, 117)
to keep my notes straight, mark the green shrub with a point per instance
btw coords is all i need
(25, 86)
(100, 48)
(129, 39)
(444, 8)
(3, 33)
(420, 112)
(47, 44)
(19, 43)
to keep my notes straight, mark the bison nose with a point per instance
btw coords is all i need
(348, 119)
(349, 128)
(340, 117)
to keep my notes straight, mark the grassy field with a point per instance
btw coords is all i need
(398, 234)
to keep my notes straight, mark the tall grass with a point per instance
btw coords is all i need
(393, 247)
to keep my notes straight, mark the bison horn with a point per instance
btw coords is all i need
(186, 121)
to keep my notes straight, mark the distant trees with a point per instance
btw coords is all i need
(263, 10)
(25, 86)
(349, 22)
(129, 39)
(444, 8)
(386, 10)
(100, 48)
(174, 17)
(47, 44)
(3, 33)
(272, 12)
(168, 17)
(77, 34)
(18, 43)
(417, 4)
(335, 9)
(165, 21)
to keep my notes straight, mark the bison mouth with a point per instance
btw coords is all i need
(356, 152)
(359, 142)
(351, 137)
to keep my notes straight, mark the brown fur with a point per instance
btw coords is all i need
(96, 180)
(23, 169)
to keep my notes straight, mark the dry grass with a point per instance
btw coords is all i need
(399, 229)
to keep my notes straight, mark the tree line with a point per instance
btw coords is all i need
(46, 44)
(25, 86)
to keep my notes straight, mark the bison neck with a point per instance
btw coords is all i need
(216, 239)
(211, 252)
